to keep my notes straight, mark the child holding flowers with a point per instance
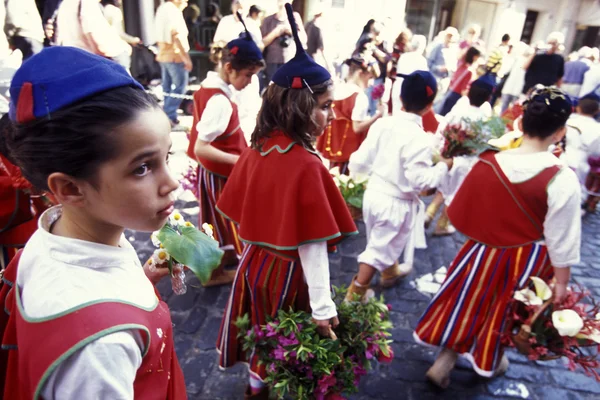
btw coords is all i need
(397, 156)
(520, 211)
(288, 209)
(83, 316)
(352, 121)
(216, 140)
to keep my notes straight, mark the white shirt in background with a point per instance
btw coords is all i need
(216, 115)
(343, 90)
(591, 80)
(229, 29)
(583, 141)
(58, 273)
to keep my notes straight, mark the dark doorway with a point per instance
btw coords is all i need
(530, 20)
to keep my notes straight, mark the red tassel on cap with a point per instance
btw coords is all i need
(234, 50)
(429, 91)
(297, 83)
(25, 104)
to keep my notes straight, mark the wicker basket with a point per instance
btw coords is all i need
(521, 339)
(355, 212)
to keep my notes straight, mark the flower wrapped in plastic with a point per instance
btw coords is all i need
(542, 330)
(301, 364)
(180, 244)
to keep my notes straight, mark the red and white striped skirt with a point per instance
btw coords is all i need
(210, 187)
(468, 314)
(264, 284)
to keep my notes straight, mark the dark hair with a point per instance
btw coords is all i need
(478, 95)
(363, 63)
(588, 106)
(404, 37)
(505, 37)
(254, 10)
(417, 106)
(77, 139)
(219, 53)
(368, 25)
(541, 120)
(115, 3)
(6, 130)
(288, 110)
(470, 55)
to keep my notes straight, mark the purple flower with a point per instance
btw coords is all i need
(259, 332)
(271, 331)
(278, 353)
(271, 367)
(288, 341)
(325, 383)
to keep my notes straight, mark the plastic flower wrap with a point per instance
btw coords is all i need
(543, 330)
(470, 137)
(180, 244)
(301, 364)
(353, 189)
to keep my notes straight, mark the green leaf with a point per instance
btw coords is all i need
(355, 201)
(192, 248)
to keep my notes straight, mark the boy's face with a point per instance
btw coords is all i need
(135, 189)
(323, 112)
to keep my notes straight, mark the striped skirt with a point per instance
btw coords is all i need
(210, 187)
(468, 314)
(264, 284)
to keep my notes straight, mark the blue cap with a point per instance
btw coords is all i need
(244, 46)
(60, 76)
(487, 81)
(419, 87)
(591, 96)
(301, 71)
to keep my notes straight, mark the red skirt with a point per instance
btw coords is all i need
(468, 314)
(264, 284)
(210, 187)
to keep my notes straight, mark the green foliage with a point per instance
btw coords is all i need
(192, 248)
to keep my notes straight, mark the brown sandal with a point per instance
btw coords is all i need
(392, 275)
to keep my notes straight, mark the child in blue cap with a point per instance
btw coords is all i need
(217, 140)
(289, 211)
(397, 156)
(84, 316)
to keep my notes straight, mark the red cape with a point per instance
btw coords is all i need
(283, 196)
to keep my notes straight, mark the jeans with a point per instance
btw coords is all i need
(174, 80)
(27, 46)
(449, 102)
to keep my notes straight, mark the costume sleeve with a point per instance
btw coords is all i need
(362, 159)
(103, 369)
(416, 160)
(215, 118)
(315, 266)
(360, 112)
(562, 227)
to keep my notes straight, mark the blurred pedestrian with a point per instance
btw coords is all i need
(461, 79)
(23, 27)
(315, 45)
(575, 71)
(231, 28)
(114, 16)
(437, 61)
(408, 63)
(277, 39)
(546, 67)
(256, 14)
(513, 87)
(173, 48)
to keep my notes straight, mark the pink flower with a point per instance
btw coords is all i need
(389, 306)
(288, 341)
(271, 367)
(325, 383)
(386, 359)
(271, 330)
(259, 332)
(334, 396)
(378, 91)
(278, 353)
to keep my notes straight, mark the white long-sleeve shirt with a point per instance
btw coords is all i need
(315, 265)
(562, 226)
(58, 273)
(397, 155)
(216, 115)
(583, 141)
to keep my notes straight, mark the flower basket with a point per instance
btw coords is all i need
(303, 365)
(355, 212)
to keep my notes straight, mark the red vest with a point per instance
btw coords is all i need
(490, 209)
(430, 122)
(232, 141)
(339, 140)
(41, 343)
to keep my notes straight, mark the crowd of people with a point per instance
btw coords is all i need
(91, 141)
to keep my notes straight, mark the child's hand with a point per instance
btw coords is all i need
(159, 272)
(324, 327)
(560, 292)
(448, 161)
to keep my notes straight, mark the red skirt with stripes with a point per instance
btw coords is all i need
(210, 187)
(264, 284)
(468, 314)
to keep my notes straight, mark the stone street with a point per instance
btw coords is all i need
(197, 316)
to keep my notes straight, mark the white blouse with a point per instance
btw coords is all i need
(57, 274)
(216, 115)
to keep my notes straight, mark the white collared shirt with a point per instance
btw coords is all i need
(360, 112)
(57, 274)
(397, 155)
(218, 110)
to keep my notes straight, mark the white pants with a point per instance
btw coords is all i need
(390, 224)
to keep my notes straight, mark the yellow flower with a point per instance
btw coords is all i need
(542, 290)
(567, 322)
(188, 223)
(177, 219)
(528, 297)
(208, 229)
(161, 256)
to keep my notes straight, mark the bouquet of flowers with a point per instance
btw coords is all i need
(303, 365)
(378, 92)
(543, 330)
(180, 244)
(467, 137)
(353, 190)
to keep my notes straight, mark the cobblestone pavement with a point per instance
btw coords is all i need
(197, 316)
